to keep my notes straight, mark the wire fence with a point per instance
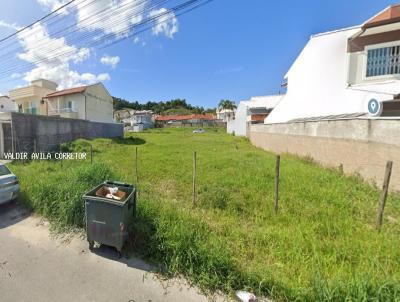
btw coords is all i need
(62, 151)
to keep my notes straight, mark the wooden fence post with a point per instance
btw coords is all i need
(382, 199)
(277, 172)
(194, 177)
(136, 166)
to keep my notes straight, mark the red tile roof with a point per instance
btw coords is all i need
(387, 16)
(67, 91)
(166, 118)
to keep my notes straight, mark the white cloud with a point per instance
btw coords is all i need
(12, 26)
(54, 4)
(117, 16)
(137, 40)
(166, 24)
(110, 61)
(53, 61)
(113, 16)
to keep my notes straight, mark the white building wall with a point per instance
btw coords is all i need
(59, 105)
(317, 81)
(238, 125)
(7, 105)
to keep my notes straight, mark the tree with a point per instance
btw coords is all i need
(176, 106)
(227, 104)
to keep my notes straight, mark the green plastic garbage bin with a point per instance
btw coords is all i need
(107, 219)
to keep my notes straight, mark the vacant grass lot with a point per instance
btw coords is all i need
(321, 246)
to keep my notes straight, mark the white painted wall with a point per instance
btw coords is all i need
(238, 126)
(7, 104)
(318, 81)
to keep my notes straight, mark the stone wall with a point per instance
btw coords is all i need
(361, 145)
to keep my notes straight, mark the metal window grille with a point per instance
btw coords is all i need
(383, 61)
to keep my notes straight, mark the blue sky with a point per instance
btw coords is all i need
(230, 49)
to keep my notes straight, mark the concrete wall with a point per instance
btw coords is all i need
(49, 132)
(362, 145)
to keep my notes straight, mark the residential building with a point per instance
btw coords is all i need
(7, 104)
(226, 115)
(122, 114)
(252, 111)
(139, 120)
(346, 73)
(93, 103)
(29, 99)
(186, 120)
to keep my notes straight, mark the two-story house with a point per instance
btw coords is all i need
(139, 120)
(29, 99)
(92, 102)
(346, 73)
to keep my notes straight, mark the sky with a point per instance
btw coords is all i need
(228, 49)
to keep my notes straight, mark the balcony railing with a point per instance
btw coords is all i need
(61, 111)
(31, 110)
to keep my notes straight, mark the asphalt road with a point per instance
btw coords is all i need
(34, 266)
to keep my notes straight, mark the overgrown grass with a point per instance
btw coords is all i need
(321, 246)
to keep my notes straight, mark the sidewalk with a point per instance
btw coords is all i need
(35, 267)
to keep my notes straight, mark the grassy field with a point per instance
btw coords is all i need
(321, 246)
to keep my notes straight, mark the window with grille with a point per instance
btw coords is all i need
(383, 61)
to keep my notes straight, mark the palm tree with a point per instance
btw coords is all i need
(226, 104)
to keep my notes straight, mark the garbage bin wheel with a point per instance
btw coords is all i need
(91, 245)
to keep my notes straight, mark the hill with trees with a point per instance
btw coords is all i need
(172, 107)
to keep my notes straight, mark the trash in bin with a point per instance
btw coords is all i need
(112, 193)
(107, 218)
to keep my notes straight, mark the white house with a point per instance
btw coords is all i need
(225, 115)
(7, 104)
(92, 102)
(139, 120)
(352, 71)
(251, 112)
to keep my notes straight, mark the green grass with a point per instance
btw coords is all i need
(321, 246)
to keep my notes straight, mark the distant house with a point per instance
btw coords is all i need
(121, 114)
(347, 72)
(139, 120)
(7, 104)
(226, 115)
(252, 111)
(185, 120)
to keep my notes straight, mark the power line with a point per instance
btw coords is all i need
(80, 28)
(37, 21)
(104, 40)
(87, 36)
